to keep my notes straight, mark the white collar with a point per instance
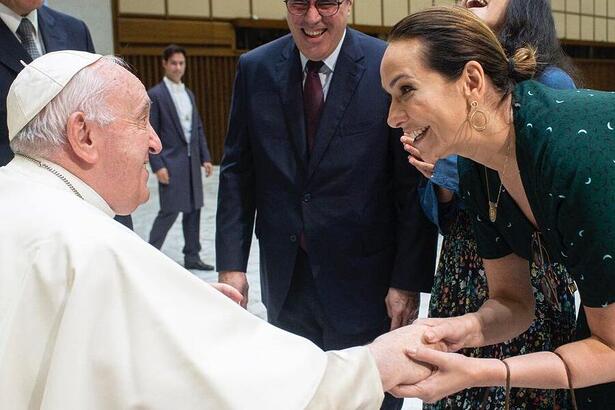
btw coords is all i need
(13, 20)
(45, 177)
(330, 61)
(172, 85)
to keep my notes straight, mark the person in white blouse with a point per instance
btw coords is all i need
(92, 317)
(175, 118)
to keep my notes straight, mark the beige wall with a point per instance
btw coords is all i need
(154, 7)
(231, 8)
(97, 16)
(591, 20)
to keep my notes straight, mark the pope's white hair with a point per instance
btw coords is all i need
(86, 92)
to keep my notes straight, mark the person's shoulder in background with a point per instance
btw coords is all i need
(555, 77)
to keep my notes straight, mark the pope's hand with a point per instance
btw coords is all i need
(390, 354)
(239, 281)
(228, 291)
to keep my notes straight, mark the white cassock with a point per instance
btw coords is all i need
(93, 317)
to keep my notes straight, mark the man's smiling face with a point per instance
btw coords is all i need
(317, 36)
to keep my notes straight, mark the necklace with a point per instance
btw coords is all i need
(54, 172)
(493, 206)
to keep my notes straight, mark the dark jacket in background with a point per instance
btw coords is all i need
(59, 32)
(184, 193)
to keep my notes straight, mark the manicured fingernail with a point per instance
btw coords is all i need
(411, 351)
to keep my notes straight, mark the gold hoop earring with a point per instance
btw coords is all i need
(477, 118)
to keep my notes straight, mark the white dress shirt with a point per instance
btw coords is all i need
(183, 105)
(327, 69)
(12, 21)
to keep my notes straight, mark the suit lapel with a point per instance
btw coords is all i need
(289, 80)
(348, 72)
(12, 50)
(168, 100)
(54, 39)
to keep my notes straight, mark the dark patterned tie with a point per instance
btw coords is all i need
(313, 101)
(26, 34)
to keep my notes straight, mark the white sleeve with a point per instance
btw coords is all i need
(116, 326)
(351, 381)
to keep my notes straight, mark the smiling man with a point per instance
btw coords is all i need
(344, 246)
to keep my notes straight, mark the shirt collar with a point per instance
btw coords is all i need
(12, 19)
(330, 61)
(171, 85)
(44, 176)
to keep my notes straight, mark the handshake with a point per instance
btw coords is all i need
(410, 366)
(418, 360)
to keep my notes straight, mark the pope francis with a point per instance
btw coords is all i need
(93, 317)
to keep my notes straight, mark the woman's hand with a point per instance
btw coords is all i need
(455, 332)
(415, 157)
(452, 372)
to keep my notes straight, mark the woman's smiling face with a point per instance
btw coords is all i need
(426, 105)
(492, 12)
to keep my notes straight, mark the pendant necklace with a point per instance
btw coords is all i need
(54, 172)
(493, 206)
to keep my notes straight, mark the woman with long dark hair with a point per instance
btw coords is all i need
(460, 285)
(537, 176)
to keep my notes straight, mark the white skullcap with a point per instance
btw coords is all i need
(39, 83)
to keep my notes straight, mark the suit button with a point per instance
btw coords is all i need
(307, 197)
(293, 238)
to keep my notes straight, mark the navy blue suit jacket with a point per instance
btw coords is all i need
(184, 193)
(355, 199)
(59, 32)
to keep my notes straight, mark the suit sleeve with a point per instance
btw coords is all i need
(416, 236)
(203, 148)
(236, 197)
(155, 160)
(88, 39)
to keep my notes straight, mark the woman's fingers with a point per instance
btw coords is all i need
(423, 167)
(428, 356)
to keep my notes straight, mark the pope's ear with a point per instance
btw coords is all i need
(82, 138)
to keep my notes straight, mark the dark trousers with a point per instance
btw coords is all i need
(191, 224)
(303, 315)
(602, 396)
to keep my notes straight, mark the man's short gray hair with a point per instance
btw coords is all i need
(86, 92)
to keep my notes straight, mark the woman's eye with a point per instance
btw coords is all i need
(406, 89)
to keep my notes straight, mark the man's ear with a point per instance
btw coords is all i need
(81, 139)
(473, 81)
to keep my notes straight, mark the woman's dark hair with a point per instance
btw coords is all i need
(172, 49)
(452, 36)
(531, 22)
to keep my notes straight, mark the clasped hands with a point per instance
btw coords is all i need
(419, 360)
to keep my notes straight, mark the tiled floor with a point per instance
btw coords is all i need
(144, 216)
